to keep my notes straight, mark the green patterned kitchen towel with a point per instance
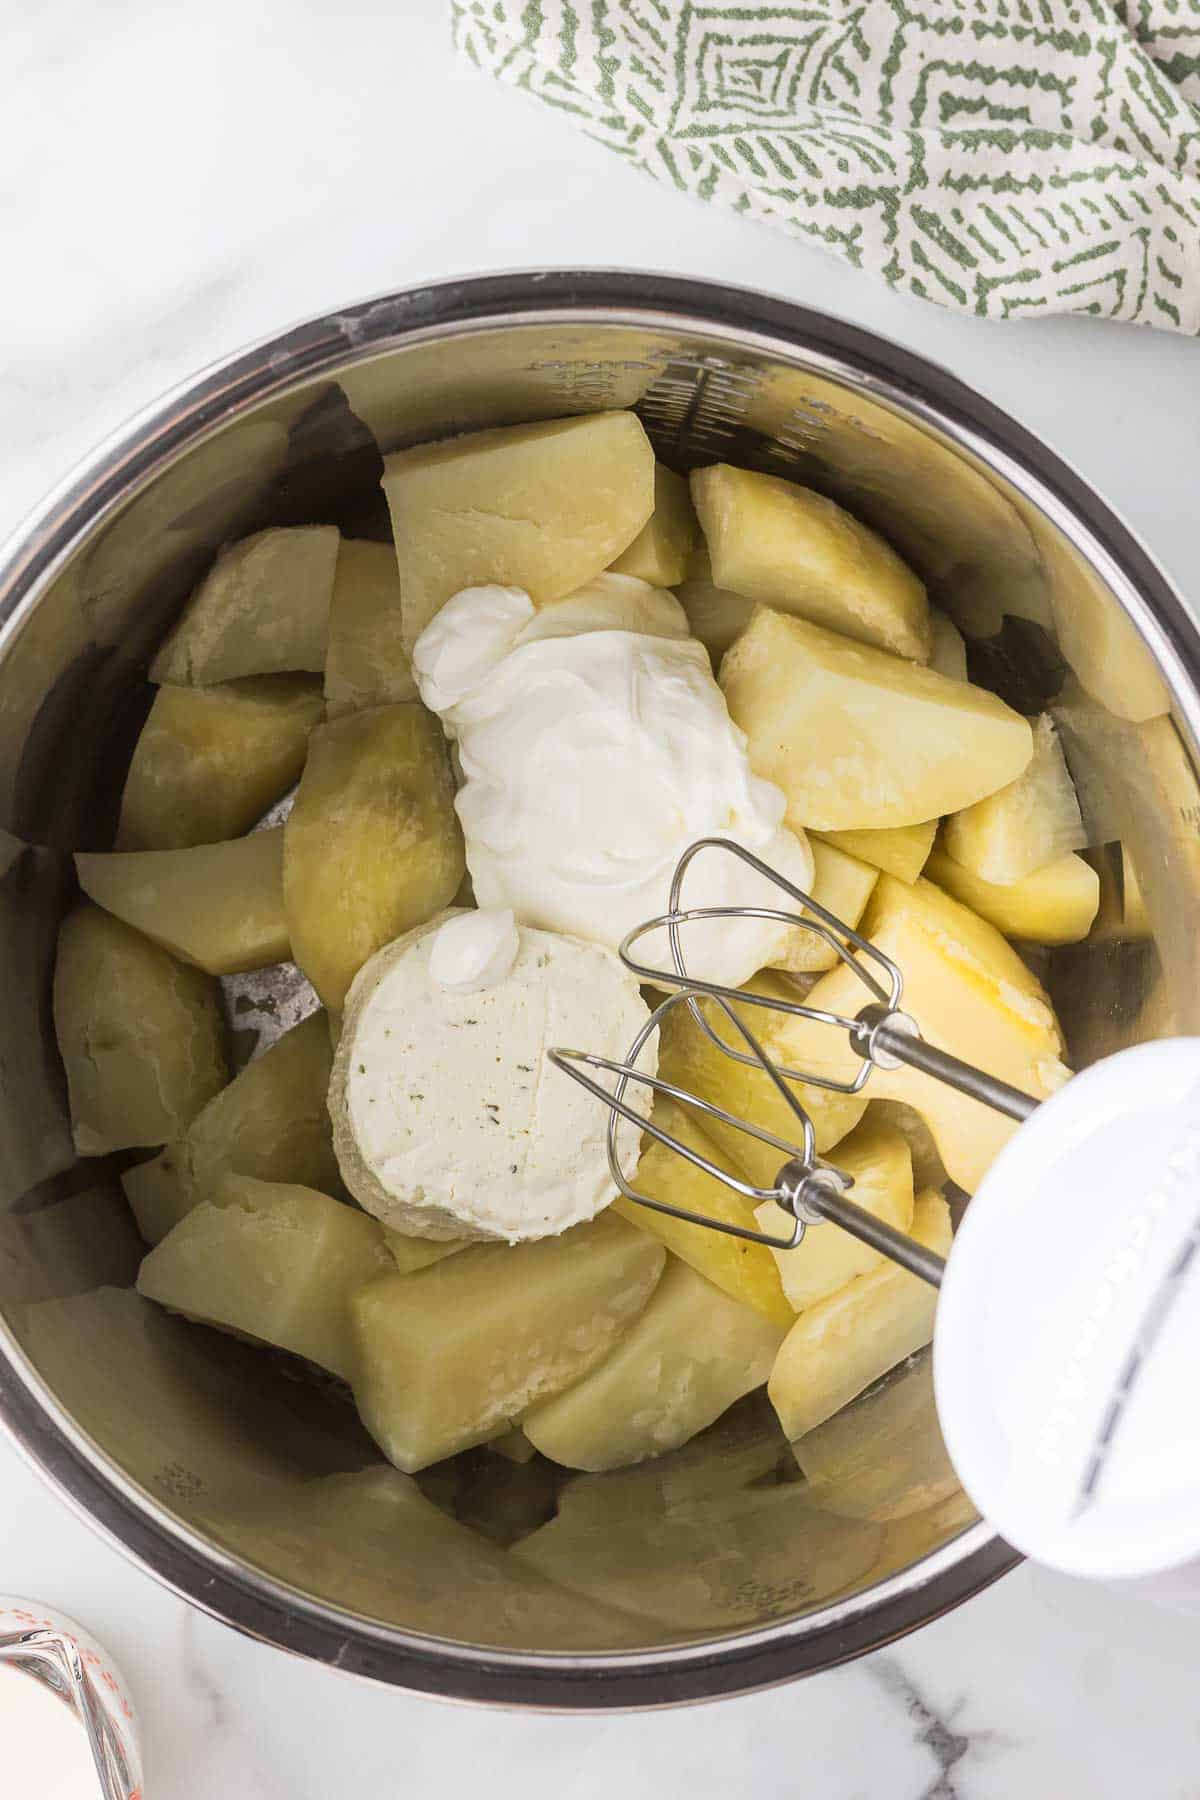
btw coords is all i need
(1011, 157)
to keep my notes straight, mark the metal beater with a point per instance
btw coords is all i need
(808, 1189)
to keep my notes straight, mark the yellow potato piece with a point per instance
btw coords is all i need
(741, 1269)
(271, 1122)
(876, 1157)
(366, 663)
(970, 993)
(141, 1036)
(883, 1457)
(948, 652)
(928, 1169)
(689, 1356)
(513, 1446)
(372, 845)
(542, 507)
(272, 1262)
(1033, 821)
(688, 1058)
(715, 615)
(856, 737)
(210, 761)
(660, 551)
(410, 1254)
(219, 906)
(845, 1342)
(903, 851)
(793, 549)
(842, 885)
(456, 1354)
(263, 609)
(1054, 905)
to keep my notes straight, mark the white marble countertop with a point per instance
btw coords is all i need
(179, 181)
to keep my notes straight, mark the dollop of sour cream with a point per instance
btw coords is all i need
(474, 951)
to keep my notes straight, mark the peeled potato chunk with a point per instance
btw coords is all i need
(210, 761)
(970, 993)
(271, 1122)
(877, 1158)
(660, 551)
(845, 1342)
(1054, 905)
(688, 1058)
(410, 1254)
(366, 663)
(689, 1356)
(948, 654)
(903, 851)
(542, 507)
(140, 1035)
(219, 906)
(856, 737)
(793, 549)
(715, 615)
(272, 1262)
(456, 1354)
(263, 609)
(842, 885)
(743, 1270)
(372, 845)
(1033, 821)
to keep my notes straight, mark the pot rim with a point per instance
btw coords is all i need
(124, 1513)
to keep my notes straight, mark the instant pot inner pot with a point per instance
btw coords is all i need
(253, 1456)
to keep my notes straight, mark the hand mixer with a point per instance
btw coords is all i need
(1060, 1337)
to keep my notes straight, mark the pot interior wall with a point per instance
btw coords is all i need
(251, 1453)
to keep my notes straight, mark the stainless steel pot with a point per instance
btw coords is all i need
(255, 1495)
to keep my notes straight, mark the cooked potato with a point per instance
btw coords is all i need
(793, 549)
(1054, 905)
(211, 760)
(410, 1254)
(366, 663)
(715, 615)
(263, 609)
(903, 851)
(687, 1057)
(928, 1169)
(454, 1355)
(848, 1340)
(689, 1356)
(876, 1156)
(513, 1446)
(270, 1261)
(948, 653)
(842, 885)
(741, 1269)
(219, 906)
(970, 993)
(271, 1122)
(883, 1457)
(141, 1037)
(858, 738)
(542, 507)
(373, 845)
(660, 551)
(1033, 821)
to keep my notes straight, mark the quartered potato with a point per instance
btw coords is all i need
(948, 654)
(660, 551)
(210, 761)
(902, 851)
(692, 1352)
(263, 609)
(140, 1035)
(271, 1122)
(795, 550)
(848, 1340)
(454, 1355)
(876, 1157)
(366, 663)
(1054, 905)
(219, 906)
(715, 615)
(857, 738)
(410, 1254)
(373, 845)
(542, 507)
(272, 1262)
(842, 885)
(741, 1269)
(1033, 821)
